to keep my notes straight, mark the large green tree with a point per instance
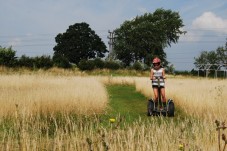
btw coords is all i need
(206, 57)
(146, 36)
(77, 43)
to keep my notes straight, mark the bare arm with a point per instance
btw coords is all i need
(163, 74)
(152, 75)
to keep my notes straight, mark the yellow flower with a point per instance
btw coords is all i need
(181, 147)
(112, 120)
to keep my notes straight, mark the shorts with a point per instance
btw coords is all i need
(155, 86)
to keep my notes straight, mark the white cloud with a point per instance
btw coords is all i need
(209, 21)
(205, 27)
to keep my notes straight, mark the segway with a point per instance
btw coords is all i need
(157, 110)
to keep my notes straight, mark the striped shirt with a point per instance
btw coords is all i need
(158, 74)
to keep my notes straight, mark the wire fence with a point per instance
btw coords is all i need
(215, 70)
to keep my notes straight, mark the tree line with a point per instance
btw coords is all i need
(8, 59)
(214, 57)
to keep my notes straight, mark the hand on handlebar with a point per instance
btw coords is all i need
(153, 78)
(158, 78)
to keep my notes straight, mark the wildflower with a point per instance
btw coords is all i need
(181, 147)
(112, 120)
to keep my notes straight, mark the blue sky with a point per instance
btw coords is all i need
(30, 26)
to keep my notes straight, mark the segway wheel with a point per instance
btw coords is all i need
(150, 107)
(171, 109)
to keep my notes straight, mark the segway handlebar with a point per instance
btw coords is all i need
(159, 77)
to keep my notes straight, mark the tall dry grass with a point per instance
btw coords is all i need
(49, 94)
(90, 134)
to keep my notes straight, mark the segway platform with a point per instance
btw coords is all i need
(157, 111)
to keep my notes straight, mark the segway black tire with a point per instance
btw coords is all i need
(171, 109)
(150, 108)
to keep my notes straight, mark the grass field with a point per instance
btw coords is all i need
(64, 112)
(33, 94)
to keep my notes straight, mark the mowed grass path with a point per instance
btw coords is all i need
(126, 102)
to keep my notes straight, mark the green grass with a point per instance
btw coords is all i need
(126, 102)
(130, 105)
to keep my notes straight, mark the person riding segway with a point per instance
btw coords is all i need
(159, 105)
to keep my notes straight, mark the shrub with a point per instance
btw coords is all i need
(86, 65)
(35, 62)
(137, 66)
(43, 62)
(7, 57)
(112, 65)
(25, 61)
(61, 61)
(99, 63)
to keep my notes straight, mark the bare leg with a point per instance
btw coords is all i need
(155, 96)
(155, 90)
(163, 95)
